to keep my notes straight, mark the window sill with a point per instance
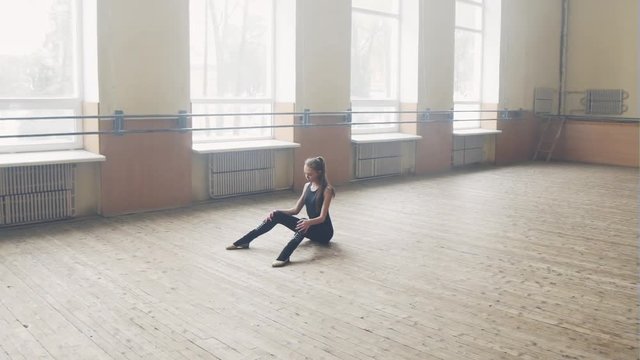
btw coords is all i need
(383, 137)
(49, 157)
(231, 146)
(471, 132)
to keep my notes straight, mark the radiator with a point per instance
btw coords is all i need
(237, 173)
(378, 159)
(605, 101)
(544, 101)
(32, 194)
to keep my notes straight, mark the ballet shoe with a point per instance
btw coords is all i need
(280, 263)
(237, 247)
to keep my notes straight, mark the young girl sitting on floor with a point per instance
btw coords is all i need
(316, 197)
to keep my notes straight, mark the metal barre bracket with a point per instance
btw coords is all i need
(426, 115)
(507, 114)
(182, 120)
(118, 122)
(305, 117)
(348, 117)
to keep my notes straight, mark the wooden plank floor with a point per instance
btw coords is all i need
(537, 261)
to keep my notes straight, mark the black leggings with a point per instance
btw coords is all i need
(321, 233)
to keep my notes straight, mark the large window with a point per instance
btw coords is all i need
(40, 73)
(232, 67)
(375, 63)
(467, 94)
(476, 62)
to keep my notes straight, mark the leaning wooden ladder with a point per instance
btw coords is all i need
(552, 127)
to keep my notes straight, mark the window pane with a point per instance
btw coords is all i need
(37, 56)
(468, 15)
(231, 48)
(374, 118)
(231, 121)
(387, 6)
(25, 127)
(374, 57)
(468, 66)
(467, 118)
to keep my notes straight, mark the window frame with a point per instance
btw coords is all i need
(469, 124)
(388, 102)
(270, 99)
(239, 137)
(73, 103)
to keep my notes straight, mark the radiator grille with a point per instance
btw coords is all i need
(544, 100)
(38, 207)
(237, 173)
(378, 159)
(31, 194)
(605, 101)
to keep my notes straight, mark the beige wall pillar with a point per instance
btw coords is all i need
(436, 51)
(518, 139)
(435, 87)
(143, 48)
(433, 151)
(323, 78)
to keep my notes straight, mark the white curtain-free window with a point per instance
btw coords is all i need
(467, 94)
(40, 73)
(232, 67)
(476, 60)
(375, 64)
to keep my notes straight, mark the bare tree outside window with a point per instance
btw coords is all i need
(375, 63)
(467, 95)
(39, 71)
(231, 65)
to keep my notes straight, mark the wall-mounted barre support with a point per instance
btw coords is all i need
(504, 114)
(507, 114)
(118, 122)
(305, 117)
(182, 120)
(426, 115)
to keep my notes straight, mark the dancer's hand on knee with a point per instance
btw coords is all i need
(303, 225)
(271, 215)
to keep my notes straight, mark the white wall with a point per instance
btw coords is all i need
(603, 47)
(436, 51)
(323, 55)
(602, 50)
(143, 52)
(530, 50)
(87, 190)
